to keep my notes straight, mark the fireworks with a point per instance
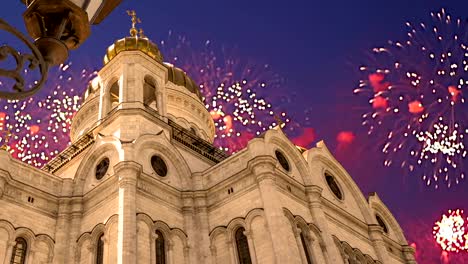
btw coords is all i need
(416, 92)
(39, 125)
(450, 232)
(237, 92)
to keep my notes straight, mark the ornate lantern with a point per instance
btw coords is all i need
(56, 27)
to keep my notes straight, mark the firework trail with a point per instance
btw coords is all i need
(415, 91)
(243, 97)
(39, 125)
(238, 93)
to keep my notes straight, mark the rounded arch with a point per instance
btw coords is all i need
(176, 232)
(106, 87)
(150, 90)
(161, 146)
(9, 228)
(48, 242)
(317, 157)
(162, 227)
(394, 229)
(100, 147)
(298, 221)
(295, 158)
(27, 234)
(219, 230)
(234, 225)
(251, 215)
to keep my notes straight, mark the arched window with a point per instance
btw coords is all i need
(242, 244)
(160, 250)
(381, 223)
(306, 248)
(149, 92)
(100, 250)
(18, 255)
(114, 93)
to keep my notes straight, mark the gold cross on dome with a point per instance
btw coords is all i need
(279, 122)
(135, 20)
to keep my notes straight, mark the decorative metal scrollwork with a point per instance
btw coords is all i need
(33, 61)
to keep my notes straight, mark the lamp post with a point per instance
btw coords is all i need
(56, 27)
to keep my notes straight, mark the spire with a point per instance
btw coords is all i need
(136, 41)
(135, 20)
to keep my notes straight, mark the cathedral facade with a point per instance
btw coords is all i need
(143, 183)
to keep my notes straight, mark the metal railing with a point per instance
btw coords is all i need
(69, 153)
(188, 139)
(179, 134)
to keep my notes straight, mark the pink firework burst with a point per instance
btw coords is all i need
(450, 231)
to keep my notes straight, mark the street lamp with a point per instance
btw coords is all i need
(56, 27)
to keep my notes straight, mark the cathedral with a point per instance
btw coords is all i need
(142, 183)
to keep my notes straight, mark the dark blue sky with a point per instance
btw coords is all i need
(316, 46)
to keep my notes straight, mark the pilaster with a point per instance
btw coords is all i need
(376, 236)
(127, 173)
(408, 253)
(314, 195)
(9, 251)
(278, 226)
(75, 213)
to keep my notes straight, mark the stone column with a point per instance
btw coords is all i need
(232, 249)
(188, 214)
(408, 253)
(9, 251)
(278, 225)
(74, 226)
(62, 228)
(375, 234)
(201, 212)
(186, 254)
(153, 237)
(128, 173)
(314, 195)
(297, 234)
(170, 252)
(62, 233)
(250, 241)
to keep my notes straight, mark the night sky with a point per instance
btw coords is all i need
(317, 47)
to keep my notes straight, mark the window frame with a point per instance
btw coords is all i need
(96, 167)
(306, 247)
(241, 230)
(99, 257)
(340, 189)
(160, 234)
(154, 155)
(279, 155)
(24, 252)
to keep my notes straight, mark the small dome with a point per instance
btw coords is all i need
(142, 44)
(177, 76)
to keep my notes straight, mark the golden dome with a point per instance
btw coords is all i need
(177, 76)
(133, 43)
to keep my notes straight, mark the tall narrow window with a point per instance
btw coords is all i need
(100, 250)
(114, 95)
(160, 251)
(242, 247)
(18, 255)
(306, 249)
(149, 92)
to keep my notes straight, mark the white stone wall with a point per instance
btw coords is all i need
(199, 205)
